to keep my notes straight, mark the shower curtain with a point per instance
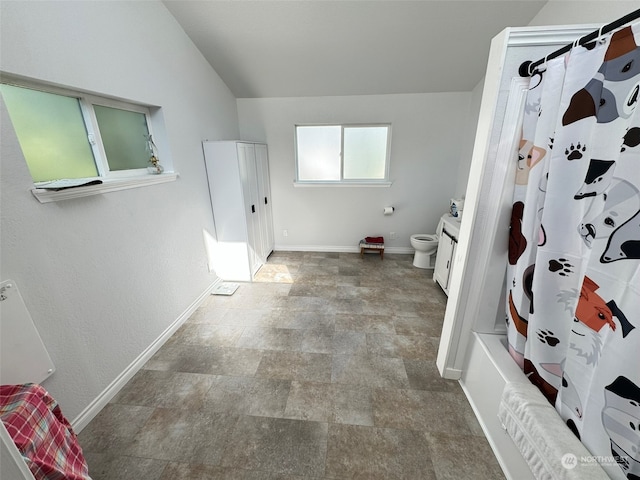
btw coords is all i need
(573, 274)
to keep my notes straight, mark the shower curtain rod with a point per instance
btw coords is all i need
(526, 68)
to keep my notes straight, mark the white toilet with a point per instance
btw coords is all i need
(426, 245)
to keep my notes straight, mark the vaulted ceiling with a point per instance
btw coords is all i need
(299, 48)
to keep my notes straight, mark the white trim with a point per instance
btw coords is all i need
(337, 249)
(452, 338)
(343, 183)
(83, 419)
(551, 35)
(495, 229)
(452, 373)
(12, 461)
(107, 185)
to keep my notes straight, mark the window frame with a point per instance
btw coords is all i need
(86, 102)
(372, 182)
(103, 169)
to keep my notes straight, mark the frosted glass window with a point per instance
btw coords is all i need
(318, 153)
(124, 137)
(51, 132)
(365, 153)
(342, 153)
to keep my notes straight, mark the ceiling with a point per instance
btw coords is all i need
(298, 48)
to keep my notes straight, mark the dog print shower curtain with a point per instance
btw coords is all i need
(573, 275)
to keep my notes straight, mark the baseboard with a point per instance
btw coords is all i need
(452, 373)
(337, 249)
(83, 419)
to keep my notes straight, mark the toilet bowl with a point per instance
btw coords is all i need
(426, 245)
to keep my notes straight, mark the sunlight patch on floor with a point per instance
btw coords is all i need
(273, 273)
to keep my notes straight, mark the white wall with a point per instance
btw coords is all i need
(427, 133)
(573, 12)
(469, 139)
(104, 276)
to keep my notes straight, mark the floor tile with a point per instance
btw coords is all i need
(209, 312)
(429, 325)
(240, 316)
(155, 388)
(284, 339)
(419, 410)
(248, 395)
(417, 347)
(463, 456)
(114, 428)
(277, 445)
(184, 436)
(318, 341)
(424, 375)
(321, 369)
(311, 367)
(349, 343)
(377, 453)
(186, 471)
(366, 323)
(315, 290)
(370, 370)
(284, 318)
(278, 273)
(207, 334)
(310, 401)
(108, 467)
(352, 404)
(202, 359)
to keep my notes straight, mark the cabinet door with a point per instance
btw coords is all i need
(249, 179)
(264, 191)
(443, 260)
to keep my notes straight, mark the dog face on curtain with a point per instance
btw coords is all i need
(614, 90)
(592, 314)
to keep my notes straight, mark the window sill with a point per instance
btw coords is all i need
(342, 184)
(108, 185)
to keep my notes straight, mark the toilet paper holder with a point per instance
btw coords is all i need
(388, 210)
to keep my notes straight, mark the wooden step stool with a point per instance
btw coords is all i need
(364, 245)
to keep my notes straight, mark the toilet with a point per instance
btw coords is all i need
(426, 245)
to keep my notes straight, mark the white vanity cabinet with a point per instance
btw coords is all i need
(444, 259)
(239, 187)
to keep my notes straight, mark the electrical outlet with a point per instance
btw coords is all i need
(285, 233)
(392, 235)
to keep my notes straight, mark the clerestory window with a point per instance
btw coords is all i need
(68, 135)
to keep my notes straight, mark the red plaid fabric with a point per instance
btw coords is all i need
(41, 432)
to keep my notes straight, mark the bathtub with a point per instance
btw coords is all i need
(489, 368)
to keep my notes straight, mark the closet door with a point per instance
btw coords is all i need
(249, 179)
(264, 192)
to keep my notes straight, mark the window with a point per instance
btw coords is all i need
(344, 154)
(72, 135)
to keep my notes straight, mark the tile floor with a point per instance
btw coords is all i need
(322, 369)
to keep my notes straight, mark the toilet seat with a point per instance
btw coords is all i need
(424, 237)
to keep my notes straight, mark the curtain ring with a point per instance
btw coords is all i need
(600, 39)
